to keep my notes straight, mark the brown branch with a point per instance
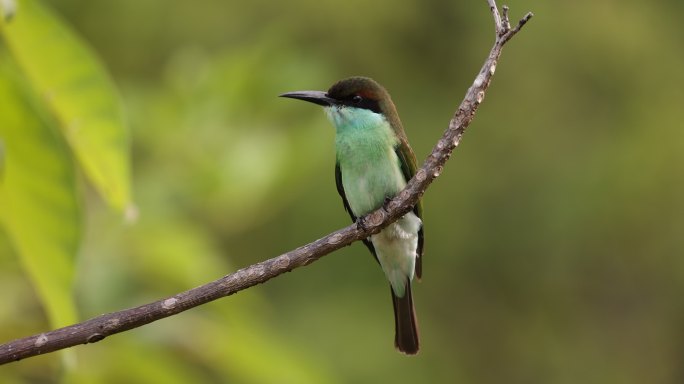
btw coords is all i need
(98, 328)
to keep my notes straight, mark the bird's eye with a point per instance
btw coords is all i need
(357, 99)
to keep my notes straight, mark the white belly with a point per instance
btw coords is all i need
(396, 247)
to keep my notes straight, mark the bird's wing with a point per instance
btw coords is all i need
(340, 190)
(343, 195)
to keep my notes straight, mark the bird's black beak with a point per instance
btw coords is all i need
(316, 97)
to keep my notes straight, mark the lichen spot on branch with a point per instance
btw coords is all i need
(41, 340)
(169, 303)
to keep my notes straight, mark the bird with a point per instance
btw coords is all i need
(373, 163)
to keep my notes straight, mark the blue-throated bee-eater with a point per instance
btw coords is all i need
(373, 163)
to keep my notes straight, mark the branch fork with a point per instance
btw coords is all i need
(502, 25)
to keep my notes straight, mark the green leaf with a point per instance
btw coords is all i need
(79, 93)
(38, 200)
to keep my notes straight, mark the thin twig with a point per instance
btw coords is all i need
(522, 22)
(506, 20)
(98, 328)
(497, 17)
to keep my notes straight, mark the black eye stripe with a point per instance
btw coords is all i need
(358, 101)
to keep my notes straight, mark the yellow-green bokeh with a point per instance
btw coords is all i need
(553, 237)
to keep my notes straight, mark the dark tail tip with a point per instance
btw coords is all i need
(406, 330)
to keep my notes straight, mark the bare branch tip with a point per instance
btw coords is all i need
(524, 21)
(506, 21)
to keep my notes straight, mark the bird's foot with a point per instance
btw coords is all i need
(385, 204)
(360, 223)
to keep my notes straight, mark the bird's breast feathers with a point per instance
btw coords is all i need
(370, 168)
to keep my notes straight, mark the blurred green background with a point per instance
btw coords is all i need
(554, 236)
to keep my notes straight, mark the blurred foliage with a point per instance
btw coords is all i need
(45, 67)
(554, 235)
(76, 89)
(38, 199)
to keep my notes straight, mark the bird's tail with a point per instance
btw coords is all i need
(406, 330)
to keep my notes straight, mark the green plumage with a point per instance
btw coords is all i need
(373, 163)
(371, 171)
